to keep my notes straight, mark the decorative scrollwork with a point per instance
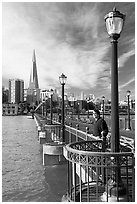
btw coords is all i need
(89, 153)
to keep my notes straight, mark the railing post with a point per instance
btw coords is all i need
(133, 176)
(87, 132)
(68, 163)
(77, 128)
(80, 183)
(70, 124)
(125, 123)
(74, 180)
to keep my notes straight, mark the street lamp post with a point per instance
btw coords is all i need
(103, 99)
(66, 112)
(114, 24)
(43, 108)
(46, 98)
(88, 101)
(78, 111)
(62, 80)
(128, 95)
(51, 111)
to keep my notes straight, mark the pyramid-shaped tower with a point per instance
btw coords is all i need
(33, 83)
(33, 92)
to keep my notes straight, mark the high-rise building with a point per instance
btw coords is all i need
(16, 90)
(82, 95)
(33, 92)
(5, 95)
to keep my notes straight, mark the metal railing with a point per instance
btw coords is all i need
(123, 121)
(125, 143)
(74, 134)
(90, 167)
(53, 131)
(90, 172)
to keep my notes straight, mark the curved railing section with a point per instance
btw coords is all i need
(94, 175)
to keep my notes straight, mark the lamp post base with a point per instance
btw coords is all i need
(108, 198)
(114, 192)
(128, 129)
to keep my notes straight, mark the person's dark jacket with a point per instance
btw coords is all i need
(99, 126)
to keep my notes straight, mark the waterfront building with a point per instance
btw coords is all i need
(44, 94)
(25, 94)
(123, 107)
(55, 95)
(133, 105)
(33, 92)
(16, 90)
(92, 97)
(10, 109)
(65, 97)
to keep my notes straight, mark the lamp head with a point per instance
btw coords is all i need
(46, 97)
(103, 98)
(51, 92)
(128, 93)
(62, 79)
(114, 23)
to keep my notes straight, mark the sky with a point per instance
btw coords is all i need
(69, 38)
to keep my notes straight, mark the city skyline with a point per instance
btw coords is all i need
(69, 38)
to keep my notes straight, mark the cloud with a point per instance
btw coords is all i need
(124, 57)
(127, 83)
(81, 67)
(68, 38)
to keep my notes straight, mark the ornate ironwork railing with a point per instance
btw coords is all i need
(126, 144)
(94, 175)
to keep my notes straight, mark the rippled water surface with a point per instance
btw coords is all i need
(24, 178)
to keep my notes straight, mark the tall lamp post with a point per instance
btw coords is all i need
(62, 80)
(114, 24)
(43, 108)
(103, 100)
(128, 95)
(88, 101)
(46, 98)
(51, 111)
(78, 111)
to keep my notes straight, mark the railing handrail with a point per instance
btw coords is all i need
(127, 140)
(123, 139)
(90, 153)
(90, 157)
(38, 106)
(74, 131)
(51, 125)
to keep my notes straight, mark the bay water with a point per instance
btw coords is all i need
(24, 178)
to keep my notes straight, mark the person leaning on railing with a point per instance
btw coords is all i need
(100, 128)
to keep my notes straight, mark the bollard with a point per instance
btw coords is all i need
(53, 153)
(42, 137)
(39, 129)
